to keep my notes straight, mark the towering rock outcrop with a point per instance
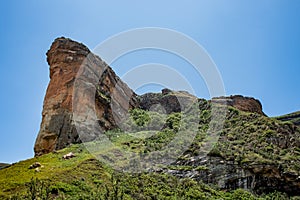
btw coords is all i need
(66, 58)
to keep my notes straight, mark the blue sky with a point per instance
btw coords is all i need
(255, 45)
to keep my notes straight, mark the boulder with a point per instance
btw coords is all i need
(69, 156)
(35, 165)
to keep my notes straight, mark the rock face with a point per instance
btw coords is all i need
(65, 58)
(227, 175)
(247, 104)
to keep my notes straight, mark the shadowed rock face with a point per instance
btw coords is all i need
(65, 57)
(258, 178)
(168, 100)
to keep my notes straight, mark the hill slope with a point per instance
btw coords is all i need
(253, 152)
(84, 177)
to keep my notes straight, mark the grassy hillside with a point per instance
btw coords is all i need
(247, 140)
(84, 177)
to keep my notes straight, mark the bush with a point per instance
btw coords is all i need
(140, 117)
(241, 194)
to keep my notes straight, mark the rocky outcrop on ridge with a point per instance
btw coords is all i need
(168, 101)
(247, 104)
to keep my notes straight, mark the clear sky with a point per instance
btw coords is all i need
(255, 44)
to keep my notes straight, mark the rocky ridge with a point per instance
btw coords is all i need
(292, 117)
(4, 165)
(65, 57)
(248, 104)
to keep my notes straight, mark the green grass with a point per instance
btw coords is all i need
(17, 175)
(84, 177)
(247, 139)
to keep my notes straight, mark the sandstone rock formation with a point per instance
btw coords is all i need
(247, 104)
(65, 58)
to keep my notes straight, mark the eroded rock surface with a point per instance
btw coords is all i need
(169, 101)
(227, 175)
(247, 104)
(66, 58)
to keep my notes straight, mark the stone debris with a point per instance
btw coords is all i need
(69, 156)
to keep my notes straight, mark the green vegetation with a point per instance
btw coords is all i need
(84, 177)
(247, 139)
